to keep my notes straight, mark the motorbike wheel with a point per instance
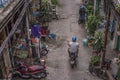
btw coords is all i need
(39, 75)
(25, 76)
(44, 52)
(72, 64)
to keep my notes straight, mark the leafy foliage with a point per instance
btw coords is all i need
(117, 6)
(98, 41)
(45, 9)
(94, 60)
(91, 24)
(89, 9)
(55, 2)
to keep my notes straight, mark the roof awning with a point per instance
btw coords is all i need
(20, 17)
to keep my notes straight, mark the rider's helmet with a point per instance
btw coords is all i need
(73, 38)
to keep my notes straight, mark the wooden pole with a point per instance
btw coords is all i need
(29, 41)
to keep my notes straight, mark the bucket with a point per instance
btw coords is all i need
(85, 42)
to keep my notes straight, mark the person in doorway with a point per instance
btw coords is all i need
(73, 47)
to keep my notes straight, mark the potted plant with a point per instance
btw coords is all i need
(117, 6)
(97, 43)
(46, 9)
(91, 24)
(54, 2)
(89, 9)
(94, 61)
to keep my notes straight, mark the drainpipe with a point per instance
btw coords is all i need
(106, 34)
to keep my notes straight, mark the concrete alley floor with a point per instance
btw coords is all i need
(67, 26)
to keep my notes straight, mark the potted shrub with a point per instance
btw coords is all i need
(94, 61)
(89, 9)
(54, 2)
(46, 9)
(117, 6)
(91, 24)
(97, 43)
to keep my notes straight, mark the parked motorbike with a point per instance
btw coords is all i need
(26, 72)
(81, 19)
(81, 14)
(44, 50)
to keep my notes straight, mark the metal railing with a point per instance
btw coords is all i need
(4, 3)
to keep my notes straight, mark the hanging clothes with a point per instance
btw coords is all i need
(111, 26)
(35, 31)
(111, 29)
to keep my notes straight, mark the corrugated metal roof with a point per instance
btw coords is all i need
(5, 10)
(20, 17)
(6, 14)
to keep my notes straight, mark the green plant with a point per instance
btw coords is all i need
(94, 60)
(89, 9)
(91, 24)
(46, 9)
(98, 41)
(117, 6)
(55, 2)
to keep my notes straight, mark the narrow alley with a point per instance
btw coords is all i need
(38, 39)
(66, 27)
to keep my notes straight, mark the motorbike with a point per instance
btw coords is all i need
(26, 72)
(44, 50)
(81, 14)
(72, 60)
(81, 19)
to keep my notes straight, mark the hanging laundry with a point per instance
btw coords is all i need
(35, 30)
(111, 26)
(111, 29)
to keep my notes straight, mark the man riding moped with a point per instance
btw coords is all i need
(73, 47)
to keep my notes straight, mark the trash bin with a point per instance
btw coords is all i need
(85, 42)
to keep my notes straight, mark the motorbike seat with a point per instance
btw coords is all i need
(35, 68)
(72, 54)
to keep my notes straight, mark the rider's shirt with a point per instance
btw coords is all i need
(73, 47)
